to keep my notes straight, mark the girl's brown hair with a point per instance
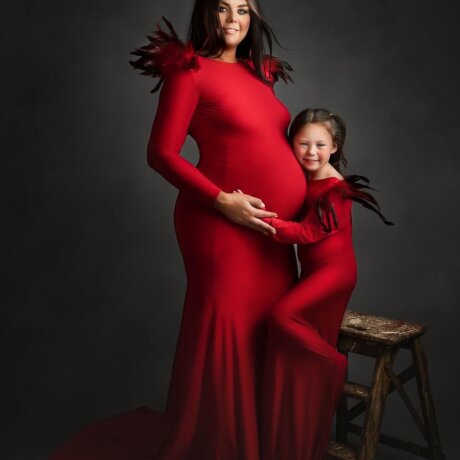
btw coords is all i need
(333, 123)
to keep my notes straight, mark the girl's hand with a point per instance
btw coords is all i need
(245, 210)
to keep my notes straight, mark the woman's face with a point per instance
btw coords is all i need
(234, 20)
(313, 146)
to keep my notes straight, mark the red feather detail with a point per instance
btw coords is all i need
(276, 68)
(164, 54)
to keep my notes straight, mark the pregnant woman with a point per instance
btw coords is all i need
(219, 89)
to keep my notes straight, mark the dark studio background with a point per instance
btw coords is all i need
(94, 282)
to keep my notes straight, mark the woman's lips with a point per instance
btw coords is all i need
(230, 31)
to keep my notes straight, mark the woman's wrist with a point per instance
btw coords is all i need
(221, 200)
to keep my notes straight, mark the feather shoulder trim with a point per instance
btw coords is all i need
(350, 188)
(164, 54)
(276, 68)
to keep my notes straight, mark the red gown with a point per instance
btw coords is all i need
(304, 373)
(234, 274)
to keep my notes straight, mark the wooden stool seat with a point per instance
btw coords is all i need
(381, 338)
(379, 329)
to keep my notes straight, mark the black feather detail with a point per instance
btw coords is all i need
(328, 220)
(282, 72)
(277, 68)
(350, 188)
(353, 191)
(320, 215)
(334, 216)
(324, 211)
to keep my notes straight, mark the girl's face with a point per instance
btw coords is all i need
(234, 19)
(313, 146)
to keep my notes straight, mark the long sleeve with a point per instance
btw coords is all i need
(177, 103)
(310, 230)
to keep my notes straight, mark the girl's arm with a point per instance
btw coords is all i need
(335, 217)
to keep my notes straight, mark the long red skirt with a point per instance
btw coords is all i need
(304, 373)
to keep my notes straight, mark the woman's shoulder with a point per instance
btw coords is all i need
(165, 55)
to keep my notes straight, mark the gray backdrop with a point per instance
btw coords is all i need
(94, 282)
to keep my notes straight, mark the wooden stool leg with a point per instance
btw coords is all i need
(341, 414)
(426, 400)
(376, 405)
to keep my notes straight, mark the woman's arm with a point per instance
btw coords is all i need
(177, 103)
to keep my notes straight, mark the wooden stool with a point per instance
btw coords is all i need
(381, 338)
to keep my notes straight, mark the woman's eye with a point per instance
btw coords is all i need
(222, 9)
(243, 11)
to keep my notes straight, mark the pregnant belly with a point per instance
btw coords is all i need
(282, 190)
(271, 174)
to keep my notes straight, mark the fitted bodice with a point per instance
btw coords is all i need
(239, 126)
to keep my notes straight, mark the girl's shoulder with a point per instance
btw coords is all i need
(335, 194)
(338, 186)
(353, 187)
(325, 185)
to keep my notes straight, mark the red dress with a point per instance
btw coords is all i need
(234, 274)
(304, 373)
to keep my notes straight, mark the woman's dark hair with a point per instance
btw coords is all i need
(333, 123)
(206, 35)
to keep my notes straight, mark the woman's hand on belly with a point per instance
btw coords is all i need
(244, 210)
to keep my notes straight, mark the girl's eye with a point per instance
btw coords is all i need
(321, 145)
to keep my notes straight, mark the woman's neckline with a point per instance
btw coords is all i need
(325, 178)
(219, 61)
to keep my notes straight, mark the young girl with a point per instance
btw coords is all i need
(304, 373)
